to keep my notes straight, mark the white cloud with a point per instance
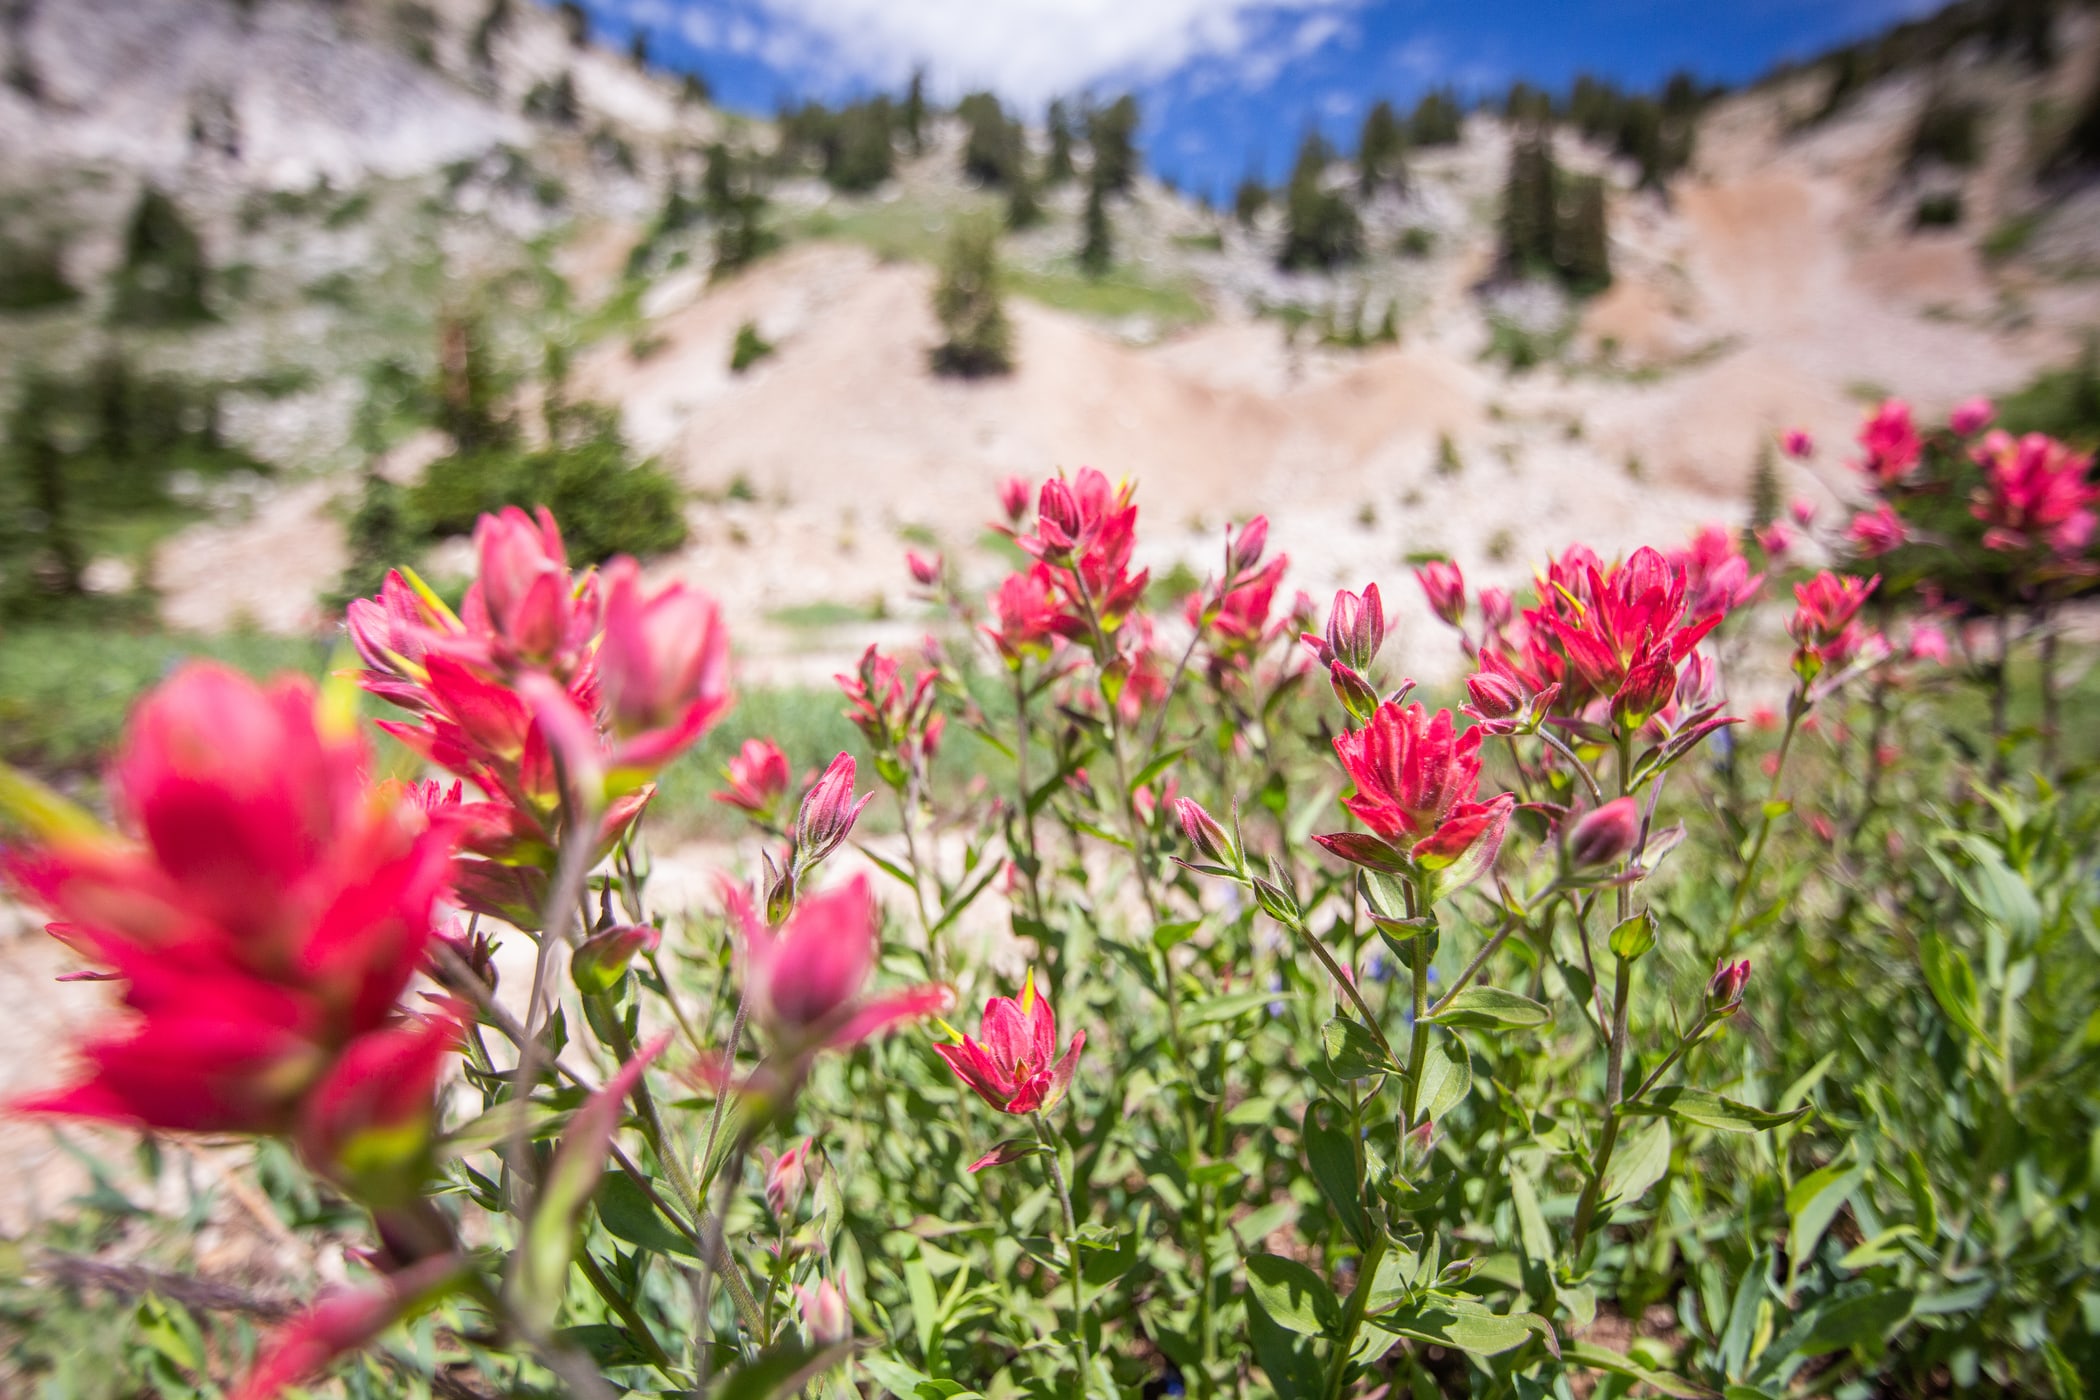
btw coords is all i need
(1032, 50)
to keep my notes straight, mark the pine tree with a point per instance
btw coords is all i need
(1249, 200)
(978, 339)
(1058, 168)
(1096, 248)
(1321, 228)
(913, 117)
(1023, 208)
(1380, 150)
(1111, 135)
(994, 145)
(1529, 208)
(1437, 120)
(1582, 245)
(165, 275)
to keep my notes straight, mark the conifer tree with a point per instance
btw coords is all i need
(1058, 168)
(1380, 150)
(1529, 207)
(1436, 120)
(1321, 228)
(165, 275)
(1249, 200)
(912, 118)
(1096, 248)
(1111, 134)
(977, 338)
(1582, 243)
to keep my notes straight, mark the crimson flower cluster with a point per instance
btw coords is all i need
(1012, 1063)
(1416, 781)
(555, 695)
(265, 909)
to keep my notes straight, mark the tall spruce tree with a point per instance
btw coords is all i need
(1582, 242)
(1321, 229)
(165, 275)
(1530, 195)
(1097, 238)
(1058, 167)
(1111, 135)
(1380, 151)
(912, 116)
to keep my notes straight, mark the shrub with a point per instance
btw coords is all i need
(749, 348)
(165, 276)
(31, 278)
(976, 337)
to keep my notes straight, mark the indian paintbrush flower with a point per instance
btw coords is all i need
(786, 1177)
(1724, 991)
(1415, 780)
(663, 667)
(1013, 1063)
(758, 777)
(825, 1320)
(602, 959)
(1445, 588)
(805, 979)
(828, 813)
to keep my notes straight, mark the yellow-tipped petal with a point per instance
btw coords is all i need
(430, 598)
(1028, 993)
(335, 708)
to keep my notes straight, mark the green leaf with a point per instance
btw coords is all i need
(1352, 1051)
(1295, 1296)
(1633, 937)
(1812, 1203)
(784, 1370)
(1640, 1163)
(1598, 1358)
(1447, 1077)
(1229, 1007)
(1841, 1323)
(540, 1266)
(1997, 890)
(2061, 1373)
(1953, 984)
(1468, 1326)
(492, 1129)
(1332, 1158)
(1157, 766)
(628, 1214)
(1169, 935)
(605, 1343)
(1485, 1008)
(1532, 1234)
(1696, 1106)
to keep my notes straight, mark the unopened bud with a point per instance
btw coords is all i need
(926, 572)
(1648, 686)
(1013, 499)
(1244, 551)
(1724, 992)
(786, 1178)
(828, 813)
(1353, 691)
(602, 960)
(1207, 835)
(1604, 836)
(1356, 628)
(1445, 587)
(1494, 695)
(1057, 510)
(824, 1315)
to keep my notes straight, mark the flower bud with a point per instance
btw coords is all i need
(1798, 444)
(1494, 695)
(786, 1177)
(1803, 510)
(523, 576)
(664, 658)
(1971, 417)
(1207, 835)
(925, 572)
(1013, 499)
(1356, 628)
(1648, 686)
(758, 778)
(828, 813)
(1058, 519)
(1604, 836)
(1724, 992)
(1698, 682)
(824, 1315)
(1244, 552)
(1353, 691)
(1445, 587)
(1496, 608)
(602, 960)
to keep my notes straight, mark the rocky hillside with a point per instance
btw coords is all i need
(359, 172)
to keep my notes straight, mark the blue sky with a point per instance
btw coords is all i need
(1226, 85)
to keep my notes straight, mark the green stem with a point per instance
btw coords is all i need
(1353, 1315)
(637, 1327)
(1071, 1242)
(1614, 1083)
(1418, 1036)
(1796, 707)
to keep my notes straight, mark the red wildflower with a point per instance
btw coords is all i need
(1415, 781)
(758, 778)
(1826, 605)
(1971, 416)
(1891, 443)
(2036, 495)
(664, 667)
(1085, 531)
(1027, 609)
(1877, 531)
(265, 921)
(805, 978)
(1798, 444)
(1015, 1066)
